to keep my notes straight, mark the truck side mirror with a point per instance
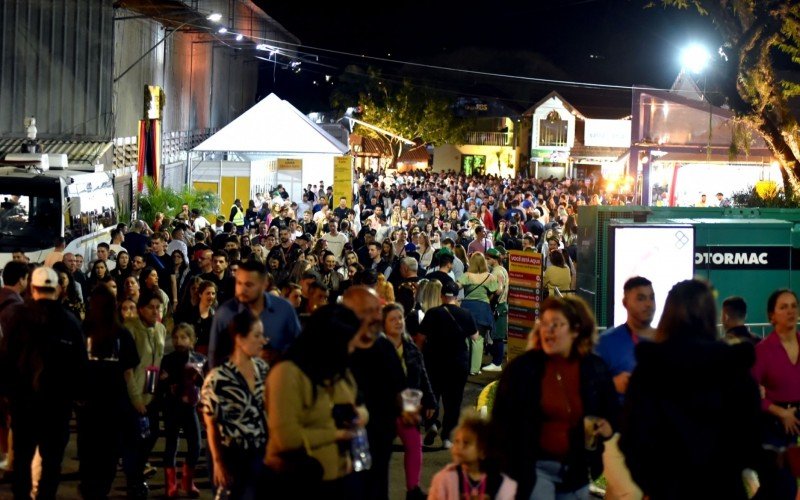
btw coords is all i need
(74, 206)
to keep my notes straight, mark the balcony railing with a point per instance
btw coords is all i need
(490, 138)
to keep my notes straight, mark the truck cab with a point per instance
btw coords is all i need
(39, 203)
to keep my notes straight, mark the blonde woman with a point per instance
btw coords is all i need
(479, 285)
(385, 289)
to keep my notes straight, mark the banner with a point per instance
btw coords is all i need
(343, 179)
(149, 158)
(524, 298)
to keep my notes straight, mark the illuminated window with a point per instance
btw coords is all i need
(473, 164)
(553, 130)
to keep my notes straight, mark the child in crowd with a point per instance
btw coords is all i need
(182, 374)
(469, 476)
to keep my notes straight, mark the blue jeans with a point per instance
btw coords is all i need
(548, 479)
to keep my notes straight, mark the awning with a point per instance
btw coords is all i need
(417, 154)
(713, 158)
(85, 152)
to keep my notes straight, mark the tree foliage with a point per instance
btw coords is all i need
(758, 36)
(168, 201)
(409, 111)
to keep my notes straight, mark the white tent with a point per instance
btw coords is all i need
(276, 127)
(271, 131)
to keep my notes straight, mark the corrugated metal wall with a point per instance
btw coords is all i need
(56, 65)
(206, 84)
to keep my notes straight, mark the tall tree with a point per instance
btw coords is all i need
(405, 110)
(758, 36)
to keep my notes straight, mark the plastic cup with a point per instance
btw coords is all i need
(590, 424)
(411, 399)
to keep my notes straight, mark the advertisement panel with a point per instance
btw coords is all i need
(663, 254)
(343, 179)
(524, 298)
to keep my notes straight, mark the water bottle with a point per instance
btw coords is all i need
(144, 427)
(359, 449)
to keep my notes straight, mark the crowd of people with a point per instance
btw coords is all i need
(289, 337)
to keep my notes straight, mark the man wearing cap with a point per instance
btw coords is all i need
(495, 261)
(446, 329)
(444, 271)
(42, 364)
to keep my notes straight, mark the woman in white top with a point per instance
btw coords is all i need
(425, 251)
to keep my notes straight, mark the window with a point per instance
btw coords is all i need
(473, 164)
(553, 130)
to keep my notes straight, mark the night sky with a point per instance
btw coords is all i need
(596, 41)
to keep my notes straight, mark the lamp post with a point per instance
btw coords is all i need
(695, 58)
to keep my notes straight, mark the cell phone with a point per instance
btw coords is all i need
(343, 415)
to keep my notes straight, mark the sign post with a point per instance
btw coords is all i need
(343, 179)
(524, 298)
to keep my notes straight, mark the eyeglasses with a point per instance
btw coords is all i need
(557, 325)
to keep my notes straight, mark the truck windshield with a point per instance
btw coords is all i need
(30, 217)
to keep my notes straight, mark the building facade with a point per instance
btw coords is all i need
(80, 68)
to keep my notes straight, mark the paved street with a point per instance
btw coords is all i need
(433, 459)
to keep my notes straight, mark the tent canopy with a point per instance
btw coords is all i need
(273, 126)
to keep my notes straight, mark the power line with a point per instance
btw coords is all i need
(530, 79)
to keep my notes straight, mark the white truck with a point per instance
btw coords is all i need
(41, 198)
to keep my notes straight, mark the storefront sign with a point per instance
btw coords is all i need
(729, 258)
(524, 298)
(607, 133)
(290, 163)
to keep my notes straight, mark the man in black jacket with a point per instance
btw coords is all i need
(42, 360)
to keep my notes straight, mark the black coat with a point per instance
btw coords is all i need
(691, 419)
(417, 375)
(517, 419)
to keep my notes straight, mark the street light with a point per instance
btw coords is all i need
(214, 17)
(695, 58)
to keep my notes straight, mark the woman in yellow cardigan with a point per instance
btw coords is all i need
(302, 395)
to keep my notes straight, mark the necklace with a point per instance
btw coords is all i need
(473, 490)
(560, 380)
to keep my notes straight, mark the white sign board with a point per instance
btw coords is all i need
(662, 254)
(607, 133)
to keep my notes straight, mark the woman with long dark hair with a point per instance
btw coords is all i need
(148, 282)
(189, 299)
(201, 316)
(545, 399)
(688, 396)
(104, 414)
(123, 268)
(98, 275)
(300, 395)
(69, 295)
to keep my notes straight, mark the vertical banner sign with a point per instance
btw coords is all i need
(343, 179)
(149, 137)
(524, 298)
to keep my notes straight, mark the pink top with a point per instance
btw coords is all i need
(445, 486)
(776, 373)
